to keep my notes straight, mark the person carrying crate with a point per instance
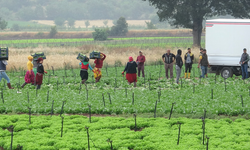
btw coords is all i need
(84, 70)
(98, 66)
(29, 76)
(40, 72)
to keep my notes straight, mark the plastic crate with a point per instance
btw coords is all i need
(37, 55)
(94, 55)
(4, 53)
(81, 57)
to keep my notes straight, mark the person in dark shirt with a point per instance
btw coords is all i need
(179, 64)
(131, 71)
(168, 60)
(40, 72)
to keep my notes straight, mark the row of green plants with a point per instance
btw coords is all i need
(79, 132)
(114, 43)
(113, 95)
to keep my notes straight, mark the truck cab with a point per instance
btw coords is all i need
(225, 41)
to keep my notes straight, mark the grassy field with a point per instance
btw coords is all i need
(143, 42)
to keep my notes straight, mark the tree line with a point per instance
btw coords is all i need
(74, 9)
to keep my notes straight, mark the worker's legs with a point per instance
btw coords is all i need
(178, 73)
(139, 70)
(166, 70)
(142, 70)
(171, 70)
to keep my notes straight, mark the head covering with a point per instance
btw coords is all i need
(179, 52)
(101, 55)
(30, 58)
(244, 49)
(201, 49)
(130, 58)
(39, 59)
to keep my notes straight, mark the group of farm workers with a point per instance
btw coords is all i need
(35, 70)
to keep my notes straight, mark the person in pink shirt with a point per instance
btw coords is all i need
(140, 61)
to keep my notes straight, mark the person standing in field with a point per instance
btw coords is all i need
(140, 61)
(29, 76)
(168, 60)
(179, 64)
(244, 64)
(131, 71)
(3, 74)
(84, 70)
(98, 66)
(189, 58)
(203, 63)
(201, 52)
(40, 72)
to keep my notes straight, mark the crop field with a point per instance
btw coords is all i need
(114, 96)
(50, 133)
(154, 97)
(142, 42)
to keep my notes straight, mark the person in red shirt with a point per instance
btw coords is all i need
(140, 61)
(84, 70)
(98, 65)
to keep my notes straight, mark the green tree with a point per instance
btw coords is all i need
(191, 13)
(59, 22)
(121, 27)
(53, 32)
(71, 22)
(100, 34)
(150, 25)
(3, 24)
(87, 24)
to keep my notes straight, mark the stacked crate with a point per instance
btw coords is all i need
(4, 53)
(37, 55)
(81, 57)
(94, 55)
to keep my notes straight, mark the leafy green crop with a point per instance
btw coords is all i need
(223, 103)
(44, 133)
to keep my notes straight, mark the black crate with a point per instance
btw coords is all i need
(94, 55)
(37, 55)
(81, 57)
(4, 53)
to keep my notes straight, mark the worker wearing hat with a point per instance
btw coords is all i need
(203, 63)
(140, 61)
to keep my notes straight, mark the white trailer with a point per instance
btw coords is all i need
(225, 41)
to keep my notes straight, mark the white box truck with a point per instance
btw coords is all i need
(225, 41)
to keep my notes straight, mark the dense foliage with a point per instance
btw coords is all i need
(75, 9)
(100, 35)
(44, 133)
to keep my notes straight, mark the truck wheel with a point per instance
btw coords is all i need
(226, 72)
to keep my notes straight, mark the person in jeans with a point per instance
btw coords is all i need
(244, 64)
(201, 52)
(140, 61)
(168, 60)
(203, 63)
(189, 58)
(3, 74)
(178, 66)
(131, 71)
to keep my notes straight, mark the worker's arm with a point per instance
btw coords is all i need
(199, 62)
